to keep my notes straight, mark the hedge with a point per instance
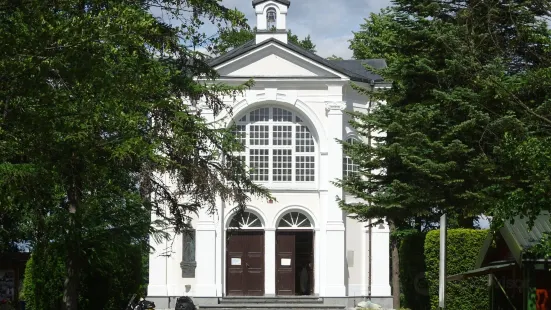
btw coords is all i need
(106, 282)
(463, 247)
(412, 272)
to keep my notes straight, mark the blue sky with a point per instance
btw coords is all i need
(329, 22)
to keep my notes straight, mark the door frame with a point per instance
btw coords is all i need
(314, 258)
(227, 233)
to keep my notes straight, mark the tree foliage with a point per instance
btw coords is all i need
(467, 114)
(465, 127)
(231, 38)
(96, 129)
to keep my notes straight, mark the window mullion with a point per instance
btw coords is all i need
(293, 150)
(270, 146)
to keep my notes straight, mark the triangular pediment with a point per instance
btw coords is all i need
(274, 60)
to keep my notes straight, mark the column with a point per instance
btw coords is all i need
(205, 247)
(221, 250)
(269, 262)
(380, 260)
(334, 223)
(206, 244)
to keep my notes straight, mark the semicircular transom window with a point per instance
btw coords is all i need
(279, 147)
(295, 220)
(247, 220)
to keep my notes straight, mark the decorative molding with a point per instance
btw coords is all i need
(335, 105)
(188, 269)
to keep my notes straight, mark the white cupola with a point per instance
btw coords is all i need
(271, 19)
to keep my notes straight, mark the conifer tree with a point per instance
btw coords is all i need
(469, 102)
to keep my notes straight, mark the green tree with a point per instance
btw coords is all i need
(305, 43)
(334, 57)
(94, 116)
(230, 38)
(461, 118)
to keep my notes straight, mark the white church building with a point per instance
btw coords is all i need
(300, 244)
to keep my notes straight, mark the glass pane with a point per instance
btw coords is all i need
(282, 165)
(304, 168)
(258, 162)
(259, 135)
(281, 115)
(260, 115)
(304, 140)
(282, 135)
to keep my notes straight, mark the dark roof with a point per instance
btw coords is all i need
(354, 69)
(284, 2)
(519, 237)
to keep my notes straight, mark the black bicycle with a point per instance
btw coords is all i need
(140, 305)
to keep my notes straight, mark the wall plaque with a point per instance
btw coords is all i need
(236, 261)
(285, 262)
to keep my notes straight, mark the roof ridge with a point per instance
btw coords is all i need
(369, 78)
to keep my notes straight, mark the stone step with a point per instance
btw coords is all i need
(270, 306)
(271, 300)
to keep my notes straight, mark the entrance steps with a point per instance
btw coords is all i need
(271, 303)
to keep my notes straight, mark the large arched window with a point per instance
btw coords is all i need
(279, 147)
(348, 165)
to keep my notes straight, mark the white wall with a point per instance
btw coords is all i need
(316, 200)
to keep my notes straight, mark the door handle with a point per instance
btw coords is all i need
(247, 264)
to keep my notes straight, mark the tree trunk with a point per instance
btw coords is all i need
(395, 268)
(70, 293)
(70, 290)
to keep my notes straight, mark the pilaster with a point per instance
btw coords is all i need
(157, 286)
(269, 261)
(205, 248)
(334, 217)
(380, 260)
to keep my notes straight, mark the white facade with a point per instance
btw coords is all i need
(291, 121)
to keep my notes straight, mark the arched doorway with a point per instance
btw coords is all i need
(245, 255)
(295, 255)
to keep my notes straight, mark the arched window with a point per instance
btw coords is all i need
(279, 147)
(294, 220)
(271, 19)
(348, 165)
(247, 220)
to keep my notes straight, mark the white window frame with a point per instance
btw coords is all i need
(295, 220)
(296, 122)
(347, 161)
(246, 219)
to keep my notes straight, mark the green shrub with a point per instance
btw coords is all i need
(412, 272)
(463, 247)
(106, 282)
(43, 283)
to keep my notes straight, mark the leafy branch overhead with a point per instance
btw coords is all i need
(96, 130)
(230, 38)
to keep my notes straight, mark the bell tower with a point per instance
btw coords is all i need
(271, 19)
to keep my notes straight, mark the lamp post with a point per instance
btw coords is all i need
(442, 271)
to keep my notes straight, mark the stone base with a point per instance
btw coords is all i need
(168, 303)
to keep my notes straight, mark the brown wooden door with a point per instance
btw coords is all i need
(245, 263)
(285, 263)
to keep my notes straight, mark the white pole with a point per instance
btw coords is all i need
(442, 271)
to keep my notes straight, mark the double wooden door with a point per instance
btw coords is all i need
(245, 263)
